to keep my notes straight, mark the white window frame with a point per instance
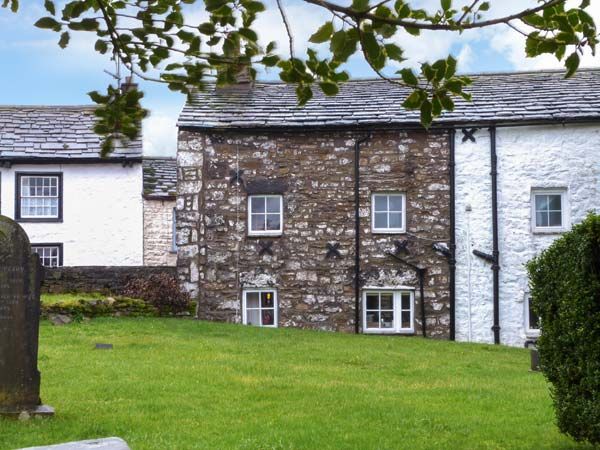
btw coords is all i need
(20, 197)
(397, 303)
(564, 202)
(533, 332)
(275, 306)
(388, 230)
(59, 252)
(252, 232)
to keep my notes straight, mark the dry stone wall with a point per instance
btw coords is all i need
(217, 259)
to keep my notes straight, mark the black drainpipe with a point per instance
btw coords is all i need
(357, 231)
(495, 252)
(452, 258)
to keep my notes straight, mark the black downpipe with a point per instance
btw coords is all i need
(452, 258)
(495, 251)
(357, 144)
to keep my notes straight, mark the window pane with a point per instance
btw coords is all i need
(381, 220)
(257, 204)
(555, 202)
(381, 203)
(252, 300)
(534, 319)
(541, 202)
(541, 219)
(258, 222)
(405, 301)
(406, 323)
(268, 317)
(267, 299)
(372, 319)
(555, 219)
(395, 203)
(273, 204)
(387, 301)
(372, 301)
(273, 222)
(395, 220)
(387, 319)
(253, 317)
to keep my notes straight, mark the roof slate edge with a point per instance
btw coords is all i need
(68, 160)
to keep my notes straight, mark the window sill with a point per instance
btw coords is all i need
(379, 331)
(40, 220)
(391, 231)
(258, 235)
(549, 231)
(532, 333)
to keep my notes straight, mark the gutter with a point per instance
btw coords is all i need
(452, 255)
(357, 144)
(8, 161)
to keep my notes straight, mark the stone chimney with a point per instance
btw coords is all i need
(128, 84)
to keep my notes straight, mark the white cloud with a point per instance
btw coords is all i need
(160, 135)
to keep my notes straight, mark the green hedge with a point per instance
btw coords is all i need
(565, 287)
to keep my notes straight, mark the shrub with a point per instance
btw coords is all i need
(161, 291)
(565, 288)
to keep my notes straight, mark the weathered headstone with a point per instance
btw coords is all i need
(20, 279)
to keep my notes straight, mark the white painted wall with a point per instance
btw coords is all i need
(102, 213)
(528, 157)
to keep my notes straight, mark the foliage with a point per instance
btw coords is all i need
(161, 291)
(187, 384)
(565, 282)
(86, 306)
(156, 41)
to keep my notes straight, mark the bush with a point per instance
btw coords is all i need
(565, 288)
(161, 291)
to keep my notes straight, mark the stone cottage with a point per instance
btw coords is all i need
(346, 215)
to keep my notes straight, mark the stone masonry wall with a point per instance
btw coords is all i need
(217, 259)
(105, 279)
(158, 233)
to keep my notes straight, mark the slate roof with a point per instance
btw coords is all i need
(56, 132)
(497, 98)
(160, 178)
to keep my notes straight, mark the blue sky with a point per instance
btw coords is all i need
(36, 71)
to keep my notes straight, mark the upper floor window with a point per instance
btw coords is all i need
(549, 210)
(388, 311)
(388, 213)
(260, 307)
(39, 197)
(51, 255)
(265, 215)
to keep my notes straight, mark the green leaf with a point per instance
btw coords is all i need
(446, 4)
(64, 39)
(394, 52)
(426, 113)
(323, 34)
(572, 64)
(329, 88)
(360, 5)
(48, 23)
(414, 100)
(371, 49)
(49, 5)
(408, 77)
(101, 46)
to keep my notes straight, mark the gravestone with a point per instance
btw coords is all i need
(20, 279)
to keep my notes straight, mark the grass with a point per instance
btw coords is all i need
(183, 384)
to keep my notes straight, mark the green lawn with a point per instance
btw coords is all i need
(50, 299)
(183, 384)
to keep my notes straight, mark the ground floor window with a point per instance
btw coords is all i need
(532, 319)
(388, 311)
(260, 307)
(51, 255)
